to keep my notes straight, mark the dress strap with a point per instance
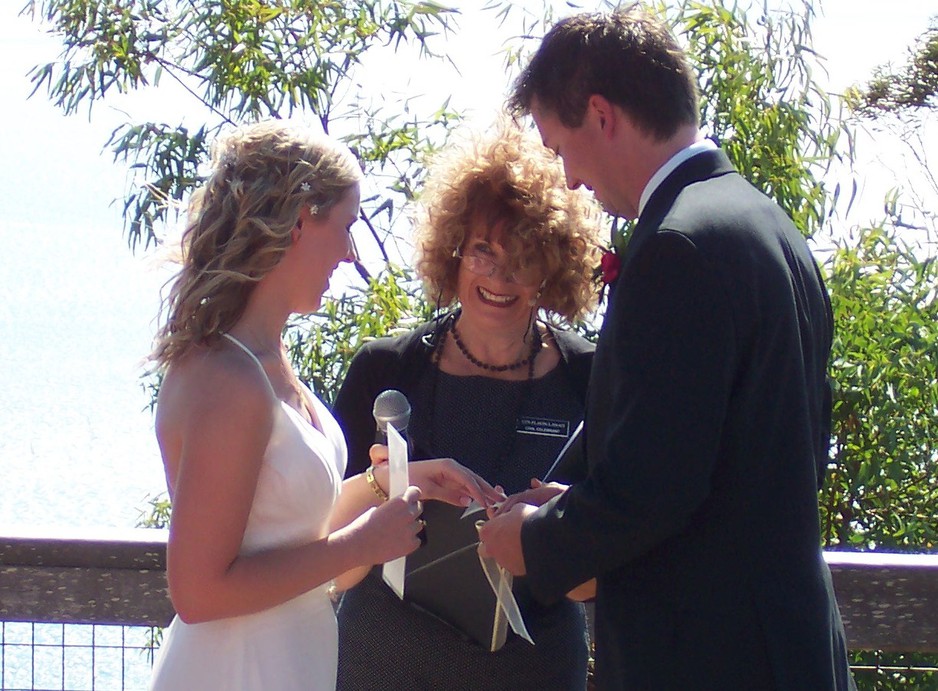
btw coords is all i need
(253, 357)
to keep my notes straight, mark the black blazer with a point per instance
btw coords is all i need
(707, 431)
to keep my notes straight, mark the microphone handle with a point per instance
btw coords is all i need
(381, 437)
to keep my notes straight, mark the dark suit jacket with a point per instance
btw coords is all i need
(707, 432)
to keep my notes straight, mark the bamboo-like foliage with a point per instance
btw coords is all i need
(882, 491)
(239, 60)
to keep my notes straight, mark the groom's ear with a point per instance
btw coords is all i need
(603, 115)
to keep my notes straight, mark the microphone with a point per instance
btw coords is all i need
(391, 406)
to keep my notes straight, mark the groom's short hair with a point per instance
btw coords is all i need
(628, 56)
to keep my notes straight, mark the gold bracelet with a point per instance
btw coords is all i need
(373, 483)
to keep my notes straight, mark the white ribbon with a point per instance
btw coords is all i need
(393, 571)
(500, 580)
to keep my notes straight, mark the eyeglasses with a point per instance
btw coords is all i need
(481, 265)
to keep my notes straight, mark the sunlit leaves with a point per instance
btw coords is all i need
(760, 101)
(240, 60)
(172, 156)
(109, 45)
(906, 89)
(321, 346)
(884, 471)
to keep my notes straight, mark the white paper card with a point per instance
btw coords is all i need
(474, 507)
(393, 571)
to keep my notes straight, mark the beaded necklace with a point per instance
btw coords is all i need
(528, 360)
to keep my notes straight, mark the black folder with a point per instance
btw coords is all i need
(444, 577)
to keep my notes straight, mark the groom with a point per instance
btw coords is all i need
(708, 416)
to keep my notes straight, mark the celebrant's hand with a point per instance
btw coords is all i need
(446, 480)
(539, 494)
(500, 538)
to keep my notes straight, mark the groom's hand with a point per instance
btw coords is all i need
(539, 494)
(500, 538)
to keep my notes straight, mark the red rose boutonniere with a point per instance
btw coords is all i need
(609, 265)
(610, 262)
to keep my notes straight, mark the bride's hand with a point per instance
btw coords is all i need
(387, 531)
(446, 480)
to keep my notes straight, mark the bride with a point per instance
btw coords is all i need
(263, 526)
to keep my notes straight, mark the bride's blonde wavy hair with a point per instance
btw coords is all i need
(239, 225)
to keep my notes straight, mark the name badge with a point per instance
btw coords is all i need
(543, 428)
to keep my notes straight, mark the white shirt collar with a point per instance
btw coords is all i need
(669, 166)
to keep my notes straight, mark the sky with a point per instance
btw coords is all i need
(77, 307)
(56, 163)
(56, 172)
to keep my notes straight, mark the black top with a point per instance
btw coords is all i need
(399, 362)
(508, 432)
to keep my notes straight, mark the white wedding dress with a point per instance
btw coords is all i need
(293, 646)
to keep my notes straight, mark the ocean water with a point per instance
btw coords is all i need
(76, 320)
(77, 451)
(76, 313)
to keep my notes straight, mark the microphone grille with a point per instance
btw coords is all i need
(391, 406)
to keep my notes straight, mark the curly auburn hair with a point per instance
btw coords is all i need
(516, 187)
(239, 225)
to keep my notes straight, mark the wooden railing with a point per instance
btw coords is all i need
(888, 602)
(105, 577)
